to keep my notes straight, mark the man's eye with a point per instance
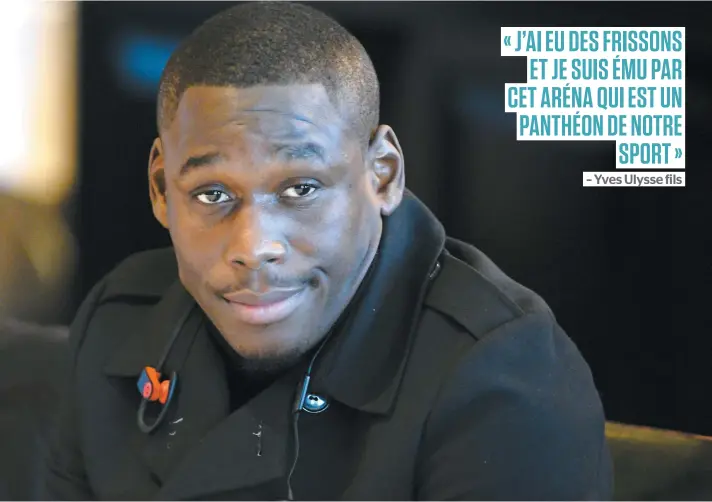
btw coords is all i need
(210, 197)
(299, 191)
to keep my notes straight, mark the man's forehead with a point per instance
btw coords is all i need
(296, 108)
(268, 118)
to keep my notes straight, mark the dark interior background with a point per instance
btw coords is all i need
(627, 271)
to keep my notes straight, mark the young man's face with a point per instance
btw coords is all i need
(274, 208)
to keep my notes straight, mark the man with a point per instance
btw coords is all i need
(317, 336)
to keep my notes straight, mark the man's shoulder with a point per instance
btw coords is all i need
(146, 274)
(524, 383)
(122, 299)
(471, 290)
(139, 280)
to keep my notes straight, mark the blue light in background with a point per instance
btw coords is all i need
(487, 105)
(140, 60)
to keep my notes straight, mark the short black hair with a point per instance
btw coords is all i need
(277, 43)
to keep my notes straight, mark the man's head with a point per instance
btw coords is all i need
(271, 173)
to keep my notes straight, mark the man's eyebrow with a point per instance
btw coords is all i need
(292, 115)
(301, 151)
(197, 161)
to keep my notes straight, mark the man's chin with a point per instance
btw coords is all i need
(267, 349)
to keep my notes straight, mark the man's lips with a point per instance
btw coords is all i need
(265, 308)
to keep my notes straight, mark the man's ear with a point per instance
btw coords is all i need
(157, 183)
(385, 159)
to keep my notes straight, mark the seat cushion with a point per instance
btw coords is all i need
(33, 364)
(657, 464)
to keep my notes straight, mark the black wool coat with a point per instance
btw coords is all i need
(448, 380)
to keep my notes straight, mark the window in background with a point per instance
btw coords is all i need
(37, 155)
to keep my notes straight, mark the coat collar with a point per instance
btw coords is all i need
(365, 358)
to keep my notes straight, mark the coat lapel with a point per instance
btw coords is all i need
(200, 403)
(200, 400)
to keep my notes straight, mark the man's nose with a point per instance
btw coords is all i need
(255, 240)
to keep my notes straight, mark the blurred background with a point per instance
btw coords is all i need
(628, 272)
